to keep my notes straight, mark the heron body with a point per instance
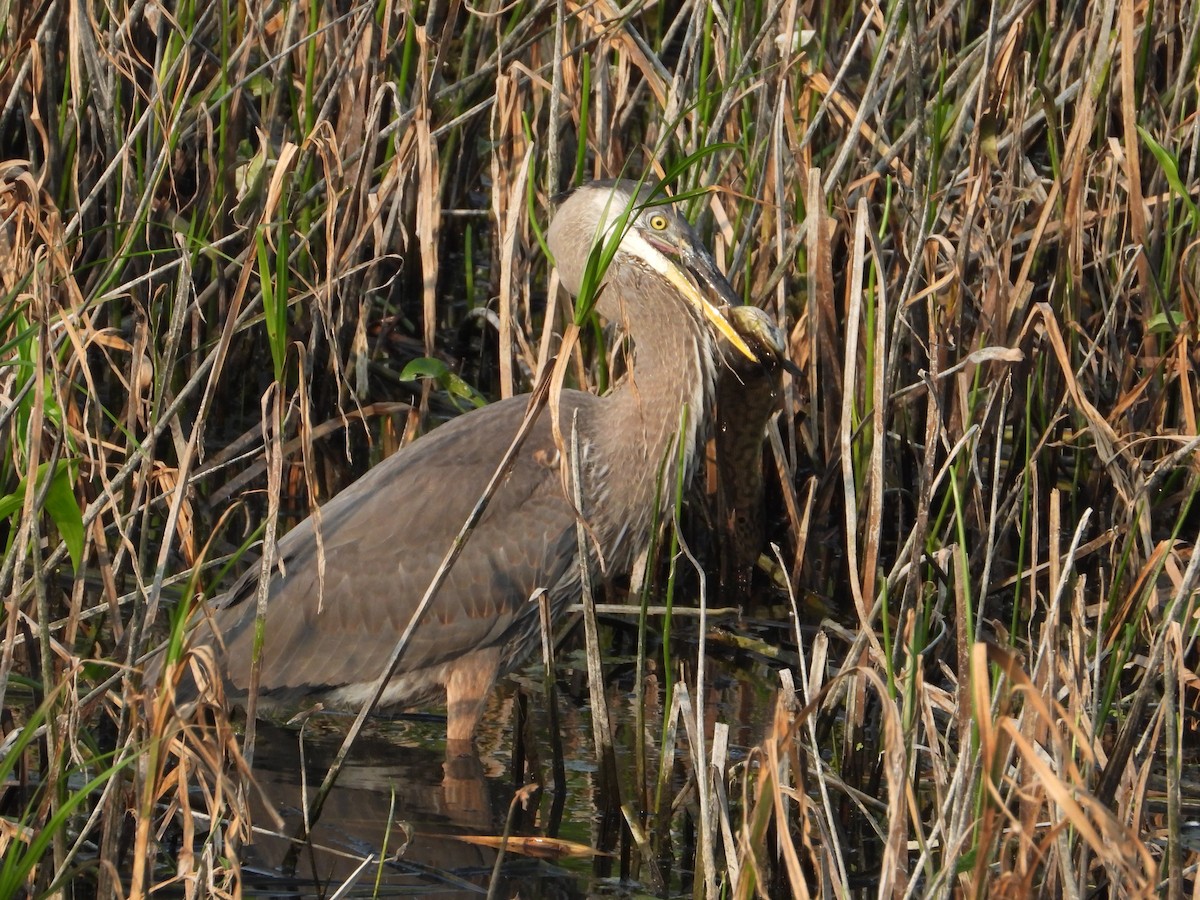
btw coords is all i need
(385, 536)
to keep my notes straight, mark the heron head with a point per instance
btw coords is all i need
(610, 230)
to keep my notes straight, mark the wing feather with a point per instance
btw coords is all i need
(384, 538)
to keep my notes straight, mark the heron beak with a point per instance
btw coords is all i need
(705, 274)
(692, 272)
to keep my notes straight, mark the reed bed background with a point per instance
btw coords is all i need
(226, 230)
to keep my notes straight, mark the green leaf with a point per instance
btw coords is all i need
(1165, 322)
(65, 511)
(10, 503)
(460, 389)
(274, 298)
(439, 372)
(1171, 170)
(425, 367)
(60, 504)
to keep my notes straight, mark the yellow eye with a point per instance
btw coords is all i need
(658, 222)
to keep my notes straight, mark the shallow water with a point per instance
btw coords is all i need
(398, 799)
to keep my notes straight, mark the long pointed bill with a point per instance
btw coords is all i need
(706, 274)
(711, 311)
(705, 271)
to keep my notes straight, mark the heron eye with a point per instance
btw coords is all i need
(658, 222)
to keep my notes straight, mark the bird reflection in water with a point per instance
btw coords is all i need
(397, 799)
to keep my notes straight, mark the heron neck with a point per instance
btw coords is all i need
(674, 365)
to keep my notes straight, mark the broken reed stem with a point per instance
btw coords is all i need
(601, 727)
(558, 764)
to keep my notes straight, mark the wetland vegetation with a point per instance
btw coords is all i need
(248, 250)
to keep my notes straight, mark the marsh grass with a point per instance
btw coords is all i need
(224, 228)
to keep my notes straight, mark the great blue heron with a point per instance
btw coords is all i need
(384, 536)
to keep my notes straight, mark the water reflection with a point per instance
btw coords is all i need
(398, 798)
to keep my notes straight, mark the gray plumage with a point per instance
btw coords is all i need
(385, 535)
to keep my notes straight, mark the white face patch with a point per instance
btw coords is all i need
(635, 245)
(661, 264)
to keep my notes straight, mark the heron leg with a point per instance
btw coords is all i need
(468, 684)
(464, 790)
